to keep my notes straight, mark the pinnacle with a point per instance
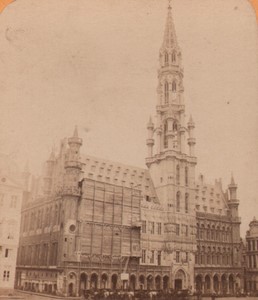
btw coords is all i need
(75, 133)
(170, 40)
(232, 179)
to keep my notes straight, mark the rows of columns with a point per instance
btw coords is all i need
(220, 285)
(113, 282)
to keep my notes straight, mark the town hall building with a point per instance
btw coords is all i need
(91, 223)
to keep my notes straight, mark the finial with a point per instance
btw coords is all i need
(169, 4)
(232, 179)
(75, 133)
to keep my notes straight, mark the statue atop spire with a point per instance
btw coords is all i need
(169, 40)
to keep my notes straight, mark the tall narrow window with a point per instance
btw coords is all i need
(177, 174)
(177, 229)
(177, 256)
(173, 86)
(186, 176)
(166, 59)
(166, 92)
(144, 226)
(178, 201)
(152, 256)
(143, 256)
(186, 202)
(165, 135)
(159, 258)
(173, 56)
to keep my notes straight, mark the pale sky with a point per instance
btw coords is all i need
(93, 63)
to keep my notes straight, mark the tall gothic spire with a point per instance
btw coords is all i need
(169, 40)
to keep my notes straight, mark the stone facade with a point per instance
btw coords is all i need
(11, 192)
(92, 223)
(251, 255)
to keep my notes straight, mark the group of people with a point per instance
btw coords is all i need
(138, 295)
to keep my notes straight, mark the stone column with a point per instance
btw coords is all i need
(219, 286)
(212, 287)
(203, 285)
(227, 286)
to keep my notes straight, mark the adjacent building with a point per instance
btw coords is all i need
(92, 223)
(11, 192)
(251, 255)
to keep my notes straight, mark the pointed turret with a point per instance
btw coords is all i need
(191, 140)
(75, 133)
(169, 40)
(233, 202)
(150, 140)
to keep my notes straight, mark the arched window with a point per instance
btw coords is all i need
(166, 59)
(178, 201)
(173, 56)
(208, 233)
(198, 231)
(175, 126)
(186, 176)
(165, 135)
(173, 86)
(177, 174)
(166, 92)
(186, 202)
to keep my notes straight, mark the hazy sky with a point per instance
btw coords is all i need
(94, 63)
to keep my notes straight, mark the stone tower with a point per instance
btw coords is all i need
(71, 196)
(171, 165)
(233, 204)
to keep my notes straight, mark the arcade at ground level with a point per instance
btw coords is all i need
(222, 284)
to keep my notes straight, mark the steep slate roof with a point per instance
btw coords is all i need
(116, 173)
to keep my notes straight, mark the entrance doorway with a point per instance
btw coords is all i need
(178, 284)
(180, 280)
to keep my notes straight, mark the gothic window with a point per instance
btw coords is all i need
(159, 258)
(46, 216)
(177, 256)
(151, 227)
(165, 135)
(198, 231)
(202, 232)
(50, 216)
(166, 92)
(152, 256)
(208, 233)
(186, 202)
(173, 56)
(186, 176)
(173, 86)
(178, 201)
(177, 229)
(144, 226)
(166, 59)
(159, 228)
(177, 174)
(56, 214)
(143, 256)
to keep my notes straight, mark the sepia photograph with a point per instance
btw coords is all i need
(128, 150)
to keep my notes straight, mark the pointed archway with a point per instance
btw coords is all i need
(180, 280)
